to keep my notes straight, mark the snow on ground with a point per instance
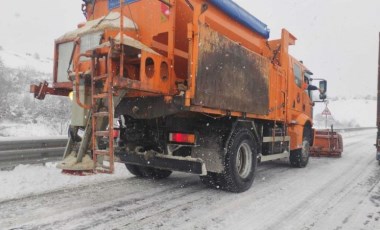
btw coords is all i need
(15, 60)
(331, 193)
(22, 180)
(27, 180)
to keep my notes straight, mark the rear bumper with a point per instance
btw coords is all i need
(174, 163)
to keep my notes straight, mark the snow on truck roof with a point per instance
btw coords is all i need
(240, 15)
(111, 20)
(229, 7)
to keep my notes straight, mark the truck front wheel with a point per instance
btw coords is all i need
(300, 157)
(240, 162)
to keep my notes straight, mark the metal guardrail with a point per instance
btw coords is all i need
(15, 152)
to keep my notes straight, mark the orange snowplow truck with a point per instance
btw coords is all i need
(187, 85)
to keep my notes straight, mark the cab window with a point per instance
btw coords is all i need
(297, 74)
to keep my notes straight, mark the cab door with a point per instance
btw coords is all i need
(307, 96)
(295, 87)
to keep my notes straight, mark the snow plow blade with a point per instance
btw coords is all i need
(327, 143)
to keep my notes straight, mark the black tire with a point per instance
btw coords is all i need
(240, 162)
(148, 172)
(299, 158)
(134, 169)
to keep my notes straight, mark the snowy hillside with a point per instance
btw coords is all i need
(21, 115)
(27, 60)
(347, 112)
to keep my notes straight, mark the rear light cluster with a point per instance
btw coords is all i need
(182, 138)
(115, 133)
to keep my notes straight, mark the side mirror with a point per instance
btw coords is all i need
(323, 87)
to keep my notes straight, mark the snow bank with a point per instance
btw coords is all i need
(27, 60)
(27, 180)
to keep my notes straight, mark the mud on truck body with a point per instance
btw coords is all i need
(195, 85)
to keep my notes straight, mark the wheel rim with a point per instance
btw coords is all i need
(244, 160)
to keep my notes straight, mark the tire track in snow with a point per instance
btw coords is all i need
(319, 204)
(65, 205)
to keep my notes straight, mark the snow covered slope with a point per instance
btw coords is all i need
(21, 114)
(348, 112)
(27, 60)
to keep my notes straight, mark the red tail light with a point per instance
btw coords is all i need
(182, 138)
(115, 133)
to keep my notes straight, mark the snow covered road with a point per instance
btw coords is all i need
(330, 193)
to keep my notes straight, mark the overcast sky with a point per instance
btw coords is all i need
(337, 39)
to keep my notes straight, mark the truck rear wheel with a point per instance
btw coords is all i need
(240, 162)
(148, 172)
(299, 158)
